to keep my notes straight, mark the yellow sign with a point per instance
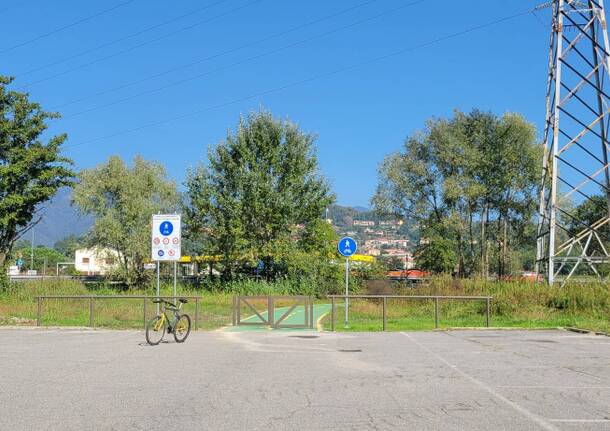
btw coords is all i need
(362, 258)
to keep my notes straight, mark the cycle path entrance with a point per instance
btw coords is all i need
(297, 317)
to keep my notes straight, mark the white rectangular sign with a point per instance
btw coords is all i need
(166, 238)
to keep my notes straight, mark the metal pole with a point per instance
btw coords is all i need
(91, 312)
(488, 311)
(436, 313)
(555, 147)
(175, 269)
(32, 251)
(238, 306)
(385, 306)
(332, 314)
(600, 102)
(158, 284)
(346, 291)
(270, 310)
(196, 313)
(39, 312)
(234, 313)
(311, 303)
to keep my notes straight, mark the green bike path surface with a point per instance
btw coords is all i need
(297, 317)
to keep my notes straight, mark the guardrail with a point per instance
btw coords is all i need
(436, 299)
(93, 298)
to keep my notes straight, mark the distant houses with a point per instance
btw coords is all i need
(95, 261)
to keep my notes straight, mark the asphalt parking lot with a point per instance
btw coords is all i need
(59, 379)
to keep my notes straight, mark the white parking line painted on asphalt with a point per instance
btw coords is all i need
(525, 412)
(551, 387)
(581, 421)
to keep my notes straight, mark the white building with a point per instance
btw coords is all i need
(364, 223)
(95, 261)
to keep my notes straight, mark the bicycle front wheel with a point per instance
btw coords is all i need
(182, 329)
(155, 330)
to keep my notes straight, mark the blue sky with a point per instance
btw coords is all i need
(360, 115)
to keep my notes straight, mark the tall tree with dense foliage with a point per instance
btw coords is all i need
(123, 199)
(260, 193)
(467, 182)
(32, 168)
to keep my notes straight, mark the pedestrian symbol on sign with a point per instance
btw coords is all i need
(160, 253)
(166, 228)
(347, 246)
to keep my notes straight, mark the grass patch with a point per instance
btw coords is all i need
(18, 306)
(514, 305)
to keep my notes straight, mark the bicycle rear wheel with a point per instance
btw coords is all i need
(182, 328)
(155, 330)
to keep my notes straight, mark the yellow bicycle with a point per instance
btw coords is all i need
(180, 325)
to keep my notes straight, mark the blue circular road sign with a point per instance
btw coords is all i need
(347, 246)
(160, 253)
(166, 228)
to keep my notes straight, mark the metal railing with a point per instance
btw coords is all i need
(267, 317)
(93, 298)
(437, 299)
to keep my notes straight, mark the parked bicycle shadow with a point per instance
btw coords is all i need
(145, 344)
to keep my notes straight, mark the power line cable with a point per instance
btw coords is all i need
(246, 60)
(133, 48)
(214, 56)
(65, 27)
(304, 81)
(124, 38)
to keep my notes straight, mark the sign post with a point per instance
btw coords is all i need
(347, 247)
(166, 243)
(175, 267)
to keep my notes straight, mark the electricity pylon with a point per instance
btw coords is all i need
(572, 243)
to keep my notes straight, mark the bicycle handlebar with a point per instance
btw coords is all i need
(161, 300)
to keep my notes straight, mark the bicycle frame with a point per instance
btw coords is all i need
(165, 320)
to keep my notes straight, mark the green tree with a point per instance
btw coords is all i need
(32, 169)
(45, 258)
(260, 185)
(67, 246)
(465, 181)
(437, 254)
(123, 199)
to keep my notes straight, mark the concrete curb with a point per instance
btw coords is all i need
(586, 331)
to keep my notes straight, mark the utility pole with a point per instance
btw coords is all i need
(575, 163)
(32, 251)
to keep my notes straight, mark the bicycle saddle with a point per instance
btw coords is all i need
(182, 300)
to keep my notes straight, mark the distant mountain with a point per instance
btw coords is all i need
(59, 219)
(361, 209)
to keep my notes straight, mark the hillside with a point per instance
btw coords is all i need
(59, 219)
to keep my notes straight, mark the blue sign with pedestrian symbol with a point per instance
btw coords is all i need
(19, 262)
(347, 246)
(166, 228)
(160, 253)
